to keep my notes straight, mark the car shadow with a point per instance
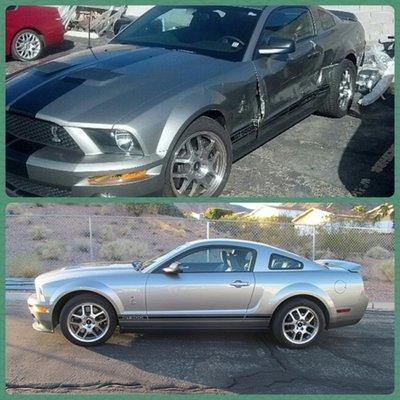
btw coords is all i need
(209, 360)
(366, 167)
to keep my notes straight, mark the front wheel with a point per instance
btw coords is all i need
(342, 90)
(87, 320)
(200, 161)
(27, 45)
(298, 323)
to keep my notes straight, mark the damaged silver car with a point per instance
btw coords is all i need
(175, 98)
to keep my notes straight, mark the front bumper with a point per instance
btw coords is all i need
(42, 320)
(51, 172)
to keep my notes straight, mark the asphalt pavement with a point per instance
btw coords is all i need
(357, 359)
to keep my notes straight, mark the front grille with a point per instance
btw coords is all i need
(38, 131)
(20, 186)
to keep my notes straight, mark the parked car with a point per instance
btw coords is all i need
(29, 29)
(175, 98)
(206, 284)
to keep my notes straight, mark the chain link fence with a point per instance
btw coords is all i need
(55, 240)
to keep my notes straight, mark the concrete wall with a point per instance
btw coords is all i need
(378, 21)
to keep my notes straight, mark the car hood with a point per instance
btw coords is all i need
(83, 272)
(105, 83)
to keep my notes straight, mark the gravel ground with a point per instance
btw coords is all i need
(358, 359)
(351, 156)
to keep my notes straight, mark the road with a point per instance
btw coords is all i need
(358, 359)
(351, 156)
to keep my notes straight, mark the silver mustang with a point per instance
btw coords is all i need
(175, 98)
(206, 284)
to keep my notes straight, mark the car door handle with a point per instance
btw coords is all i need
(239, 284)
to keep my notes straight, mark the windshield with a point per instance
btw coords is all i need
(216, 31)
(160, 259)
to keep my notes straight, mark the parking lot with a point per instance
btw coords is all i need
(224, 362)
(352, 156)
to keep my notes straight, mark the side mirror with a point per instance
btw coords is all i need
(174, 268)
(278, 46)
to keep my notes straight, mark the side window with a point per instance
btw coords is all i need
(279, 262)
(218, 259)
(289, 23)
(327, 20)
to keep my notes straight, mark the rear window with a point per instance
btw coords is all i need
(327, 20)
(283, 263)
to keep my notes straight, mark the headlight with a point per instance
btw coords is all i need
(40, 294)
(115, 141)
(125, 141)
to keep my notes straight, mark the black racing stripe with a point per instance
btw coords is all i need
(17, 154)
(34, 101)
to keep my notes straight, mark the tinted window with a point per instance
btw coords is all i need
(327, 20)
(222, 32)
(289, 23)
(218, 259)
(278, 262)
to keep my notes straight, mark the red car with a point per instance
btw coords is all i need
(29, 29)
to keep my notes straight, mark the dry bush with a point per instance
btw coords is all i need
(40, 232)
(123, 250)
(51, 250)
(105, 234)
(25, 266)
(82, 245)
(378, 253)
(14, 209)
(386, 270)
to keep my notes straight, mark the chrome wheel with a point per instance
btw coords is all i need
(300, 325)
(345, 90)
(27, 45)
(199, 165)
(88, 322)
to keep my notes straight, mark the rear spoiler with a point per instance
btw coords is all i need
(344, 15)
(340, 265)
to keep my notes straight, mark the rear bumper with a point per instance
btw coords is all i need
(42, 321)
(352, 317)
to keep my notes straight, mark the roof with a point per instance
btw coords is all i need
(309, 211)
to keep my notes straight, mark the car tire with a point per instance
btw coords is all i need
(332, 106)
(298, 335)
(99, 334)
(199, 165)
(25, 36)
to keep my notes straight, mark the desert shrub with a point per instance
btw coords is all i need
(217, 213)
(386, 270)
(25, 266)
(82, 245)
(40, 232)
(152, 209)
(51, 250)
(378, 253)
(123, 250)
(14, 209)
(105, 234)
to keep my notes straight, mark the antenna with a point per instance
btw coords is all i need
(89, 27)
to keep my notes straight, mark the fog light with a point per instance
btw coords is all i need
(118, 178)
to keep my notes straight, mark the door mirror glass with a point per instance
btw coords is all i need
(278, 45)
(174, 268)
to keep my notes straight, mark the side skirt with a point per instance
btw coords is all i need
(271, 128)
(132, 324)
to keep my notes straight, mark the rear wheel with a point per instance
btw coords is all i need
(27, 45)
(87, 320)
(298, 323)
(343, 88)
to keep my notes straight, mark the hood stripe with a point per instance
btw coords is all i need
(44, 95)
